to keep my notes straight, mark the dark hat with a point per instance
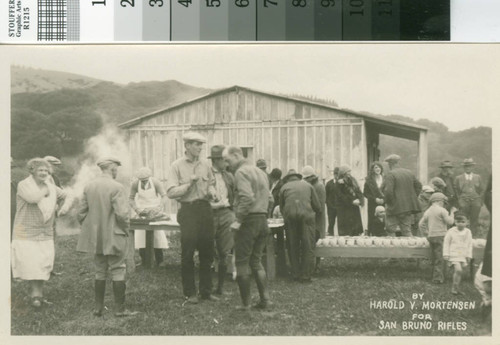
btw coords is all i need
(446, 164)
(261, 163)
(344, 170)
(216, 151)
(468, 162)
(290, 175)
(107, 160)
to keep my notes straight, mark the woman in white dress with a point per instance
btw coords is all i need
(32, 247)
(147, 193)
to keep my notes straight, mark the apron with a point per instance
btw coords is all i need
(147, 198)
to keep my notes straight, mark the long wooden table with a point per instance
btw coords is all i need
(173, 225)
(168, 225)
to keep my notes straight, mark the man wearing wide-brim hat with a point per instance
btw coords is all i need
(446, 175)
(191, 182)
(469, 189)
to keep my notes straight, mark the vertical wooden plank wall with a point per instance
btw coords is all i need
(286, 133)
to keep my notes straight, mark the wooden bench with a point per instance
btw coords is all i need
(389, 252)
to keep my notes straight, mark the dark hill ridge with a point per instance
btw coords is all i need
(27, 79)
(114, 103)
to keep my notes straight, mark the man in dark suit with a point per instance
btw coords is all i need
(299, 204)
(401, 189)
(447, 176)
(469, 189)
(331, 193)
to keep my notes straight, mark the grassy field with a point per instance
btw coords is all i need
(337, 303)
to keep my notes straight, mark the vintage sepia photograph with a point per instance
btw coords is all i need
(340, 190)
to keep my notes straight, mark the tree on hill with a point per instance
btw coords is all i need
(72, 126)
(61, 133)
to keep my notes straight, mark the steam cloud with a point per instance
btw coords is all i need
(109, 142)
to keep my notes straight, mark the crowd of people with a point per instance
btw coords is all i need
(225, 206)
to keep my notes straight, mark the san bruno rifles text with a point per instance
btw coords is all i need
(421, 317)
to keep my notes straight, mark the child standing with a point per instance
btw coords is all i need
(434, 224)
(378, 222)
(457, 249)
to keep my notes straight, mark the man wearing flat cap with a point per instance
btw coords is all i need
(191, 182)
(469, 189)
(104, 218)
(401, 190)
(222, 209)
(446, 175)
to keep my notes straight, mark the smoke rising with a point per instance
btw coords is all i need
(109, 142)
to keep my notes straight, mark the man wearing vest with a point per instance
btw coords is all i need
(469, 189)
(223, 213)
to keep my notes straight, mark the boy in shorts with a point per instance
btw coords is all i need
(457, 249)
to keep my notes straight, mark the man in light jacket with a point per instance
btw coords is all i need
(104, 217)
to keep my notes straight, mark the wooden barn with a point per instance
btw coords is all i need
(285, 131)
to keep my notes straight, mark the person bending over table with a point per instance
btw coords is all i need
(147, 193)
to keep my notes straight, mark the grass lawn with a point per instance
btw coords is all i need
(337, 303)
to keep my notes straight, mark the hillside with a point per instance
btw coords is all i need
(61, 120)
(27, 79)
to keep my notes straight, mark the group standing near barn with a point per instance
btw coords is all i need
(224, 207)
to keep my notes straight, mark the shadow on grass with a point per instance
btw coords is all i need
(337, 303)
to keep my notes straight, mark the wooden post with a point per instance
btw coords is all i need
(281, 269)
(422, 164)
(270, 263)
(150, 239)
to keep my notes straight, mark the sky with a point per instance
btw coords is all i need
(455, 84)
